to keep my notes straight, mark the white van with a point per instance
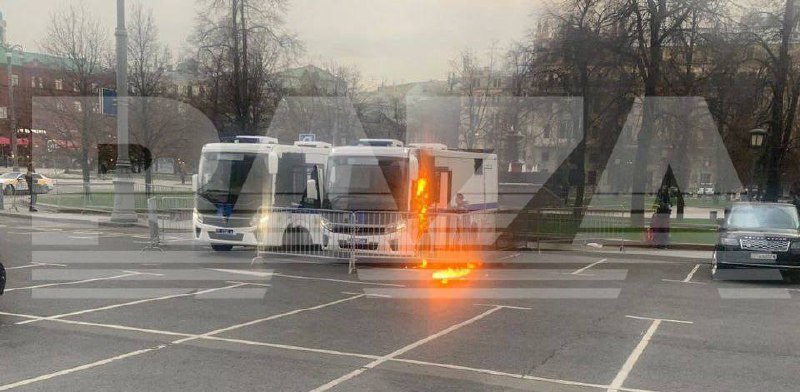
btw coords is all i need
(404, 197)
(239, 184)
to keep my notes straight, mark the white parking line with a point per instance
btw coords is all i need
(324, 351)
(122, 305)
(130, 273)
(34, 265)
(273, 317)
(337, 280)
(623, 373)
(78, 368)
(578, 272)
(186, 338)
(403, 350)
(688, 278)
(510, 375)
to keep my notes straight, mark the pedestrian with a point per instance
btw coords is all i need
(182, 172)
(660, 222)
(31, 187)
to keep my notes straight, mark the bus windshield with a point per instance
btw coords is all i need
(232, 180)
(367, 184)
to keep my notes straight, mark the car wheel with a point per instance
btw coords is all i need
(222, 248)
(8, 190)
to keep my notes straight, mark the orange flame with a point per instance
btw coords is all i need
(449, 274)
(445, 276)
(421, 205)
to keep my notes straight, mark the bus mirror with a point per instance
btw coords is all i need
(272, 164)
(311, 190)
(195, 185)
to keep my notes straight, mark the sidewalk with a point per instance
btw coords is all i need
(47, 214)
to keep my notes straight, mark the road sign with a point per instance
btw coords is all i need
(108, 101)
(308, 137)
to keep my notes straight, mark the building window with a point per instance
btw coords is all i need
(15, 80)
(195, 90)
(59, 84)
(78, 106)
(3, 112)
(41, 82)
(33, 82)
(75, 87)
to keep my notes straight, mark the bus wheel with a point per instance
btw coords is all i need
(297, 239)
(222, 248)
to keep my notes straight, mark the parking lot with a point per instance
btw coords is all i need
(85, 310)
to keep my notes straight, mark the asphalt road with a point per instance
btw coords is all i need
(86, 310)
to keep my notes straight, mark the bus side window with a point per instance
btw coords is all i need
(478, 166)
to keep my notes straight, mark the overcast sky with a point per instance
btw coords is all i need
(392, 40)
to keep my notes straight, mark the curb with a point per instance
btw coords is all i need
(655, 255)
(101, 221)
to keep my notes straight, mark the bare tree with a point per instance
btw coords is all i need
(149, 60)
(775, 35)
(77, 37)
(243, 43)
(474, 79)
(653, 24)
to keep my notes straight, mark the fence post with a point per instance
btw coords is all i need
(152, 224)
(352, 262)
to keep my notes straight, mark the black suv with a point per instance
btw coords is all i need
(760, 235)
(2, 279)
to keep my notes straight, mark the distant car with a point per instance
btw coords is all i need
(705, 189)
(759, 235)
(43, 184)
(15, 182)
(2, 279)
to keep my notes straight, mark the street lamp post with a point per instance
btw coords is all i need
(757, 137)
(12, 114)
(124, 212)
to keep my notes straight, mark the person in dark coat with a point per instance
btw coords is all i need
(31, 187)
(660, 222)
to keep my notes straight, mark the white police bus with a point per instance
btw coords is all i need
(404, 196)
(239, 183)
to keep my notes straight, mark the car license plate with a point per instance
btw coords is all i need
(359, 241)
(763, 256)
(225, 231)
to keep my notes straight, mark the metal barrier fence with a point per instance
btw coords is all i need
(598, 226)
(573, 225)
(304, 232)
(100, 196)
(348, 235)
(168, 215)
